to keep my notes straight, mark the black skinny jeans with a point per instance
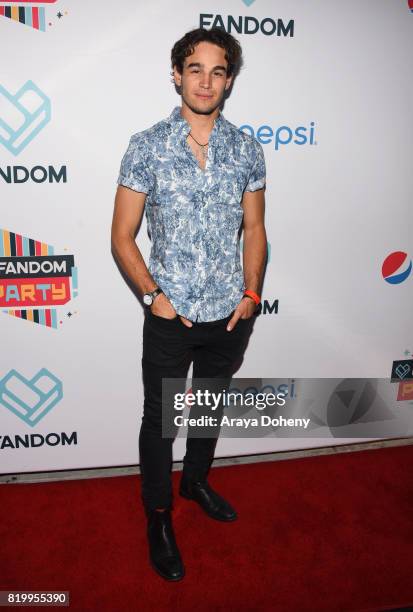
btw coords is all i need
(168, 349)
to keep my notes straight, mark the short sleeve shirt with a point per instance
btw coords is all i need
(194, 215)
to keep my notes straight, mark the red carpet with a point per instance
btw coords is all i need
(331, 533)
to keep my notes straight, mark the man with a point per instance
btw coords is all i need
(199, 177)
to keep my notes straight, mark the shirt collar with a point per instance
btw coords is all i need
(180, 124)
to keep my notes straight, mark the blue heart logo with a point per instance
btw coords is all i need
(24, 114)
(248, 2)
(30, 399)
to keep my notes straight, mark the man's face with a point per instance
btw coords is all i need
(204, 78)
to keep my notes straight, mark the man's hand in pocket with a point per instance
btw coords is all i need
(162, 307)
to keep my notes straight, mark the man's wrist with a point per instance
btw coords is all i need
(149, 286)
(150, 296)
(252, 295)
(158, 294)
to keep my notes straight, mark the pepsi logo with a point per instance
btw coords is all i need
(396, 267)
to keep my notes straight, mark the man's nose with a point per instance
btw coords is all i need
(205, 80)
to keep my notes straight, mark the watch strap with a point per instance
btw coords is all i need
(155, 292)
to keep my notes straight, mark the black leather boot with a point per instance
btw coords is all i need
(163, 551)
(210, 501)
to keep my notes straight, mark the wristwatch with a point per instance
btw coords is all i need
(148, 298)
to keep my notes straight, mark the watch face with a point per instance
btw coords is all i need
(147, 299)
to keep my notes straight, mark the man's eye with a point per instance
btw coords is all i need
(194, 70)
(219, 73)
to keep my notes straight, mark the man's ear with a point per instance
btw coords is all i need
(177, 77)
(228, 82)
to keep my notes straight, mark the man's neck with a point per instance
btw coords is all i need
(200, 124)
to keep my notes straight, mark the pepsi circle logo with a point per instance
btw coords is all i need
(396, 267)
(410, 3)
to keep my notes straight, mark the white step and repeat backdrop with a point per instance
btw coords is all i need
(326, 87)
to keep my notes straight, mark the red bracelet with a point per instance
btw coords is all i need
(253, 295)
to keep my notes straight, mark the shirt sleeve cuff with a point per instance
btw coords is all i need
(127, 182)
(256, 185)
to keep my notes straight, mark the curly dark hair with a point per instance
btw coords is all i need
(185, 47)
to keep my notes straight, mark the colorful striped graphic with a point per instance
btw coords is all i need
(33, 16)
(47, 317)
(15, 245)
(74, 281)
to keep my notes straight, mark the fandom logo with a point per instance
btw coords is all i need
(247, 25)
(33, 280)
(265, 307)
(402, 373)
(402, 369)
(37, 440)
(30, 399)
(37, 174)
(396, 268)
(23, 115)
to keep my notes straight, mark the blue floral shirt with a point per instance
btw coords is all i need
(194, 215)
